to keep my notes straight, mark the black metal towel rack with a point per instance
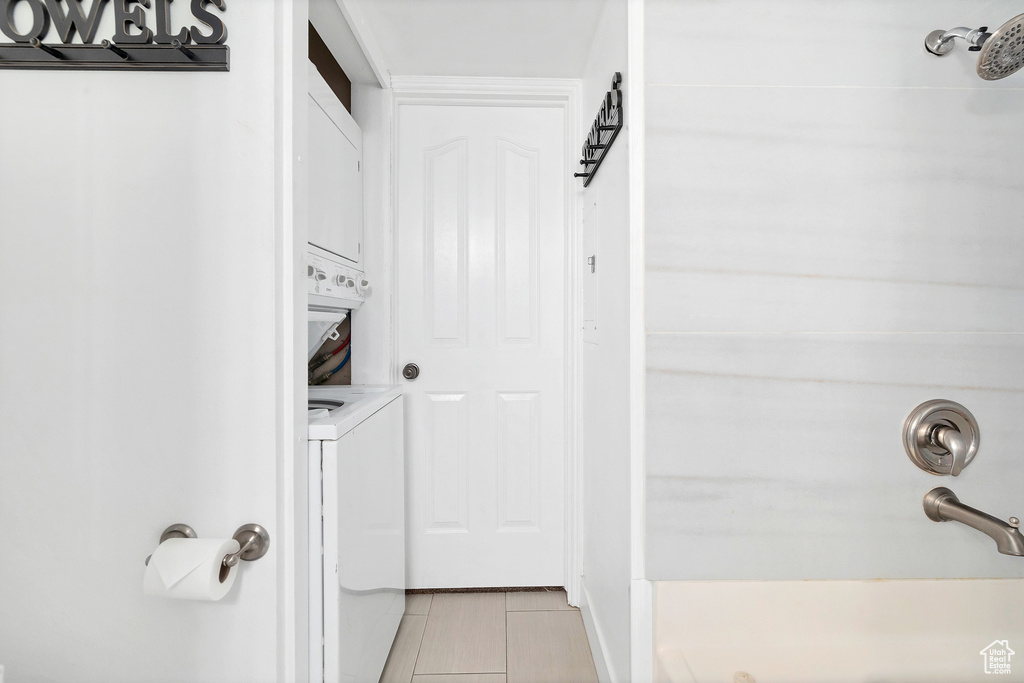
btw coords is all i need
(607, 125)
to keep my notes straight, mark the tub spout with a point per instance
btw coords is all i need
(942, 505)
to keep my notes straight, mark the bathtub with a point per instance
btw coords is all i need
(839, 631)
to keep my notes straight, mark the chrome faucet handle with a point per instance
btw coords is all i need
(941, 437)
(953, 441)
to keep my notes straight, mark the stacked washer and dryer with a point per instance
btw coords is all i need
(356, 447)
(356, 502)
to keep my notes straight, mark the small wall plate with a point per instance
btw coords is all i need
(177, 531)
(256, 537)
(934, 43)
(922, 449)
(933, 499)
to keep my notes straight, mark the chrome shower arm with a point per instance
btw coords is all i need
(941, 42)
(974, 36)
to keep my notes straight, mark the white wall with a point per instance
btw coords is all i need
(605, 367)
(372, 324)
(832, 238)
(142, 294)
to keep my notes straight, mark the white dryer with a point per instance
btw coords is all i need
(334, 289)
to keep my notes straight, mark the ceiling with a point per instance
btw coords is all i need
(525, 38)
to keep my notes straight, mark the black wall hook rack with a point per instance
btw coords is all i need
(108, 56)
(133, 47)
(607, 125)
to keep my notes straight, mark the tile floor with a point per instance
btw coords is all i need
(521, 637)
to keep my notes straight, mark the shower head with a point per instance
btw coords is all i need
(1001, 52)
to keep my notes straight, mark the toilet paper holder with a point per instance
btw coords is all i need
(253, 541)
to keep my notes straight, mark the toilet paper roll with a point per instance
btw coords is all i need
(191, 569)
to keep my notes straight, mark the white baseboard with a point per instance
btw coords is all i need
(641, 627)
(597, 646)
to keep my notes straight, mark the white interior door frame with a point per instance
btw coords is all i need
(641, 589)
(521, 92)
(291, 141)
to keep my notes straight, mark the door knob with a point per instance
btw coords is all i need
(411, 371)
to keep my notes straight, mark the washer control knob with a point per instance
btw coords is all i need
(350, 283)
(363, 286)
(319, 275)
(339, 280)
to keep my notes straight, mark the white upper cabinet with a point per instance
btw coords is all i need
(335, 179)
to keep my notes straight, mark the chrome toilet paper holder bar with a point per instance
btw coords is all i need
(253, 541)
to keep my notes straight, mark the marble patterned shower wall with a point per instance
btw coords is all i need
(833, 236)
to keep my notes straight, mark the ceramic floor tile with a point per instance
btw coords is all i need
(402, 657)
(526, 601)
(417, 603)
(549, 646)
(459, 678)
(465, 633)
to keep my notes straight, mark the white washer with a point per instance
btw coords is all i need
(357, 522)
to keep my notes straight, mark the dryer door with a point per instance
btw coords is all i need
(322, 326)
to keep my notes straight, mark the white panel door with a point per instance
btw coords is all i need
(481, 231)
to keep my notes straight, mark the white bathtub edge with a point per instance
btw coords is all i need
(843, 631)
